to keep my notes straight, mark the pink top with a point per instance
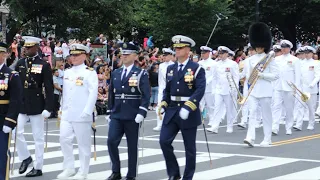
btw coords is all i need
(47, 50)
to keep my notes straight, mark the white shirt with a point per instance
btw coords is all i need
(56, 50)
(263, 87)
(223, 71)
(184, 64)
(289, 71)
(1, 66)
(128, 70)
(310, 75)
(208, 65)
(79, 82)
(65, 50)
(162, 75)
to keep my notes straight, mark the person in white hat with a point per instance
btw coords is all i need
(168, 59)
(310, 71)
(290, 72)
(76, 113)
(225, 72)
(277, 50)
(186, 84)
(34, 74)
(208, 65)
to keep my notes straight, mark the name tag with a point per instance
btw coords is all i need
(227, 70)
(208, 68)
(289, 63)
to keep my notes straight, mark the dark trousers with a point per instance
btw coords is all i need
(56, 105)
(4, 156)
(167, 135)
(116, 130)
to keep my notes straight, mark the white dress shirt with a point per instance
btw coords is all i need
(208, 65)
(72, 105)
(310, 71)
(184, 64)
(289, 71)
(162, 75)
(223, 71)
(263, 87)
(128, 70)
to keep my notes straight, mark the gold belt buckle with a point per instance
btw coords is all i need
(25, 84)
(178, 98)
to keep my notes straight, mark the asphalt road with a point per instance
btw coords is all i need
(293, 156)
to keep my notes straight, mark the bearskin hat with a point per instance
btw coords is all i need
(260, 36)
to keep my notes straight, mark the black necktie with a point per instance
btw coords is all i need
(124, 75)
(180, 69)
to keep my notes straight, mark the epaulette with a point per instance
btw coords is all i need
(90, 68)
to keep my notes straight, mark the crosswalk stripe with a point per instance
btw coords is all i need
(310, 174)
(156, 166)
(56, 154)
(241, 168)
(100, 160)
(32, 146)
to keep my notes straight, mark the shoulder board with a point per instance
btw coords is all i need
(90, 68)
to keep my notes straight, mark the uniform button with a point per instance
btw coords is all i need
(178, 104)
(122, 86)
(177, 82)
(178, 90)
(123, 101)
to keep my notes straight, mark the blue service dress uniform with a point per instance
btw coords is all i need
(127, 98)
(184, 90)
(10, 99)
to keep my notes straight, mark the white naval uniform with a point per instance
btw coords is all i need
(78, 102)
(162, 85)
(224, 93)
(310, 71)
(261, 95)
(208, 99)
(289, 71)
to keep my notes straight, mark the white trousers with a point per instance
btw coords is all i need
(37, 125)
(283, 99)
(218, 111)
(208, 102)
(82, 132)
(266, 117)
(311, 105)
(159, 121)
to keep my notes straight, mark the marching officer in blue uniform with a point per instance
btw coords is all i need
(129, 95)
(10, 99)
(186, 83)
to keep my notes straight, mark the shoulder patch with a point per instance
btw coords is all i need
(90, 68)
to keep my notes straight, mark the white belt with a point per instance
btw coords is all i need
(179, 98)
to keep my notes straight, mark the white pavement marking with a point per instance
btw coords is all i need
(155, 166)
(241, 168)
(100, 160)
(32, 147)
(310, 174)
(58, 153)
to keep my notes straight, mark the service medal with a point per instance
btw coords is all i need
(133, 89)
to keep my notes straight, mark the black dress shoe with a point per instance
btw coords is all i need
(24, 165)
(174, 177)
(115, 176)
(34, 173)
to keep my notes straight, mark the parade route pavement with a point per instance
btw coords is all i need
(295, 156)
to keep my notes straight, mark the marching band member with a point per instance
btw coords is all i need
(168, 57)
(224, 71)
(34, 73)
(283, 95)
(10, 99)
(208, 99)
(186, 84)
(129, 97)
(78, 81)
(310, 71)
(260, 39)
